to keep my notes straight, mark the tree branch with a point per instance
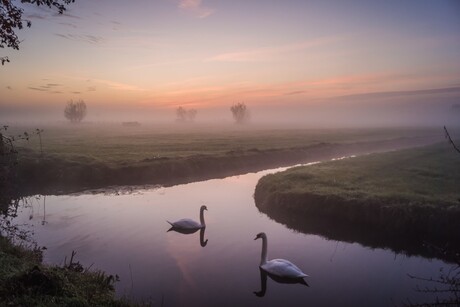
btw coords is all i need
(449, 139)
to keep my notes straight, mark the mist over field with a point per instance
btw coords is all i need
(381, 109)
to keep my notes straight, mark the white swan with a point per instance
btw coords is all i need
(189, 224)
(278, 267)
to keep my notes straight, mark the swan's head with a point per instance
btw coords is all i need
(260, 235)
(203, 208)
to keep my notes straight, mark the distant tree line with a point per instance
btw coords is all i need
(183, 115)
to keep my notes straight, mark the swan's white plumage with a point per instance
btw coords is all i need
(278, 267)
(186, 224)
(189, 224)
(283, 268)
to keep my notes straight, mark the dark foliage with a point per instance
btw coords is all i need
(11, 20)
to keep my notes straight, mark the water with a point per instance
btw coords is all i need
(126, 234)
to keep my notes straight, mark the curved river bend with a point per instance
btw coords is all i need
(126, 234)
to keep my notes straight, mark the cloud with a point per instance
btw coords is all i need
(68, 24)
(295, 93)
(119, 86)
(36, 16)
(389, 94)
(91, 39)
(195, 8)
(48, 87)
(266, 53)
(37, 89)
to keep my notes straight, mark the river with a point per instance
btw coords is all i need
(124, 232)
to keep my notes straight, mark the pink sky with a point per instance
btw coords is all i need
(208, 54)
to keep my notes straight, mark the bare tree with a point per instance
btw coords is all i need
(181, 114)
(240, 113)
(184, 115)
(11, 20)
(191, 114)
(75, 111)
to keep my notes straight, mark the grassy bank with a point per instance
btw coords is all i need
(378, 199)
(78, 158)
(25, 281)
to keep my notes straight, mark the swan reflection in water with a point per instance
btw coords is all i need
(203, 242)
(281, 280)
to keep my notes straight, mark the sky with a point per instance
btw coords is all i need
(319, 61)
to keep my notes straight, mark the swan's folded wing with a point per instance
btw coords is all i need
(186, 224)
(283, 268)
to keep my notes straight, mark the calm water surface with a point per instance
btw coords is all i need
(126, 234)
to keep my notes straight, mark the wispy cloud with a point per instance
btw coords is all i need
(91, 39)
(52, 88)
(267, 53)
(118, 85)
(195, 8)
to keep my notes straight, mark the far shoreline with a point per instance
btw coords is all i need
(53, 175)
(406, 200)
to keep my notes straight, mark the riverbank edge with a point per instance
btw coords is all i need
(370, 221)
(26, 281)
(53, 175)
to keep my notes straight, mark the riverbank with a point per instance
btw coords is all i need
(397, 199)
(26, 281)
(54, 174)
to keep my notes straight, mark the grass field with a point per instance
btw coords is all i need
(409, 192)
(429, 175)
(79, 157)
(112, 143)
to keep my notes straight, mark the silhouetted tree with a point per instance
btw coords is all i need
(240, 113)
(75, 111)
(191, 114)
(181, 114)
(184, 115)
(11, 20)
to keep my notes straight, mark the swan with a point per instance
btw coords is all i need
(189, 225)
(279, 268)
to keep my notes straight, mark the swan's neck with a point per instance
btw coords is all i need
(263, 258)
(202, 218)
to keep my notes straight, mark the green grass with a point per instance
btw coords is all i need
(25, 281)
(427, 175)
(413, 192)
(113, 144)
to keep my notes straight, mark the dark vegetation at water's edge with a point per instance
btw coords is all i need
(408, 201)
(54, 175)
(25, 281)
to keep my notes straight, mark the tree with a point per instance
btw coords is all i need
(191, 114)
(75, 111)
(11, 20)
(240, 113)
(183, 115)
